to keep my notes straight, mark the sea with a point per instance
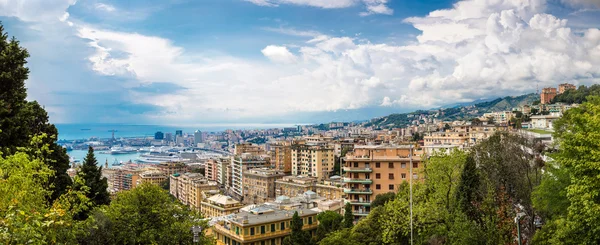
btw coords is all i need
(86, 131)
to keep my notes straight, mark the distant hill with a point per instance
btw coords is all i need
(465, 111)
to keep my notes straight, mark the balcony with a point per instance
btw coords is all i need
(360, 213)
(358, 170)
(358, 181)
(360, 202)
(358, 191)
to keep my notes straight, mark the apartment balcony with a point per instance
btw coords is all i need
(358, 181)
(360, 213)
(360, 202)
(358, 170)
(358, 191)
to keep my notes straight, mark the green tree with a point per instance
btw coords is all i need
(468, 194)
(382, 199)
(26, 217)
(577, 134)
(368, 230)
(348, 216)
(20, 120)
(329, 222)
(340, 237)
(146, 214)
(447, 127)
(297, 235)
(92, 176)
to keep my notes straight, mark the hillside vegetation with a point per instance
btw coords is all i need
(456, 113)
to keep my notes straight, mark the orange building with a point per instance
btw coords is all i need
(282, 155)
(547, 95)
(564, 87)
(377, 169)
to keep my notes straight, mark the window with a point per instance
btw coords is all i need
(272, 227)
(391, 176)
(391, 187)
(415, 176)
(252, 231)
(310, 220)
(415, 165)
(282, 226)
(403, 165)
(262, 243)
(378, 176)
(403, 176)
(356, 165)
(377, 165)
(378, 186)
(262, 229)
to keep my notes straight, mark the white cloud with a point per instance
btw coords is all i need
(279, 54)
(35, 10)
(105, 7)
(372, 6)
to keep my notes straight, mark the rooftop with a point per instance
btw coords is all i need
(265, 214)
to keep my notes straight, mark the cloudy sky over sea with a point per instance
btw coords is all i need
(183, 61)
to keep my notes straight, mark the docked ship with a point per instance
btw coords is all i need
(156, 157)
(115, 150)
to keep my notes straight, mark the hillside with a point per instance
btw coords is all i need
(456, 113)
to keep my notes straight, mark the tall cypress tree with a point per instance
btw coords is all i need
(348, 217)
(467, 193)
(297, 236)
(21, 119)
(92, 175)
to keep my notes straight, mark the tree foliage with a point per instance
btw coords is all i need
(143, 215)
(382, 199)
(573, 180)
(329, 222)
(577, 96)
(348, 216)
(297, 235)
(98, 185)
(20, 119)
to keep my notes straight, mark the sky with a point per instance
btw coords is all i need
(185, 62)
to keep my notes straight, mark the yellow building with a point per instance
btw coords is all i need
(331, 189)
(170, 168)
(219, 205)
(282, 156)
(188, 188)
(312, 160)
(155, 177)
(294, 185)
(259, 184)
(261, 225)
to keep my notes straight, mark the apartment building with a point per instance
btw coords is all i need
(211, 169)
(547, 95)
(249, 148)
(377, 169)
(155, 177)
(564, 87)
(313, 160)
(294, 185)
(331, 189)
(282, 156)
(224, 171)
(170, 168)
(188, 188)
(219, 205)
(240, 164)
(261, 225)
(259, 184)
(500, 117)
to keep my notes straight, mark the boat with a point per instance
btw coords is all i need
(86, 129)
(156, 158)
(115, 150)
(117, 163)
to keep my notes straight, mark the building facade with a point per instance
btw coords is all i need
(564, 87)
(261, 225)
(315, 161)
(240, 164)
(219, 205)
(547, 95)
(373, 170)
(259, 184)
(294, 185)
(170, 168)
(188, 188)
(282, 156)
